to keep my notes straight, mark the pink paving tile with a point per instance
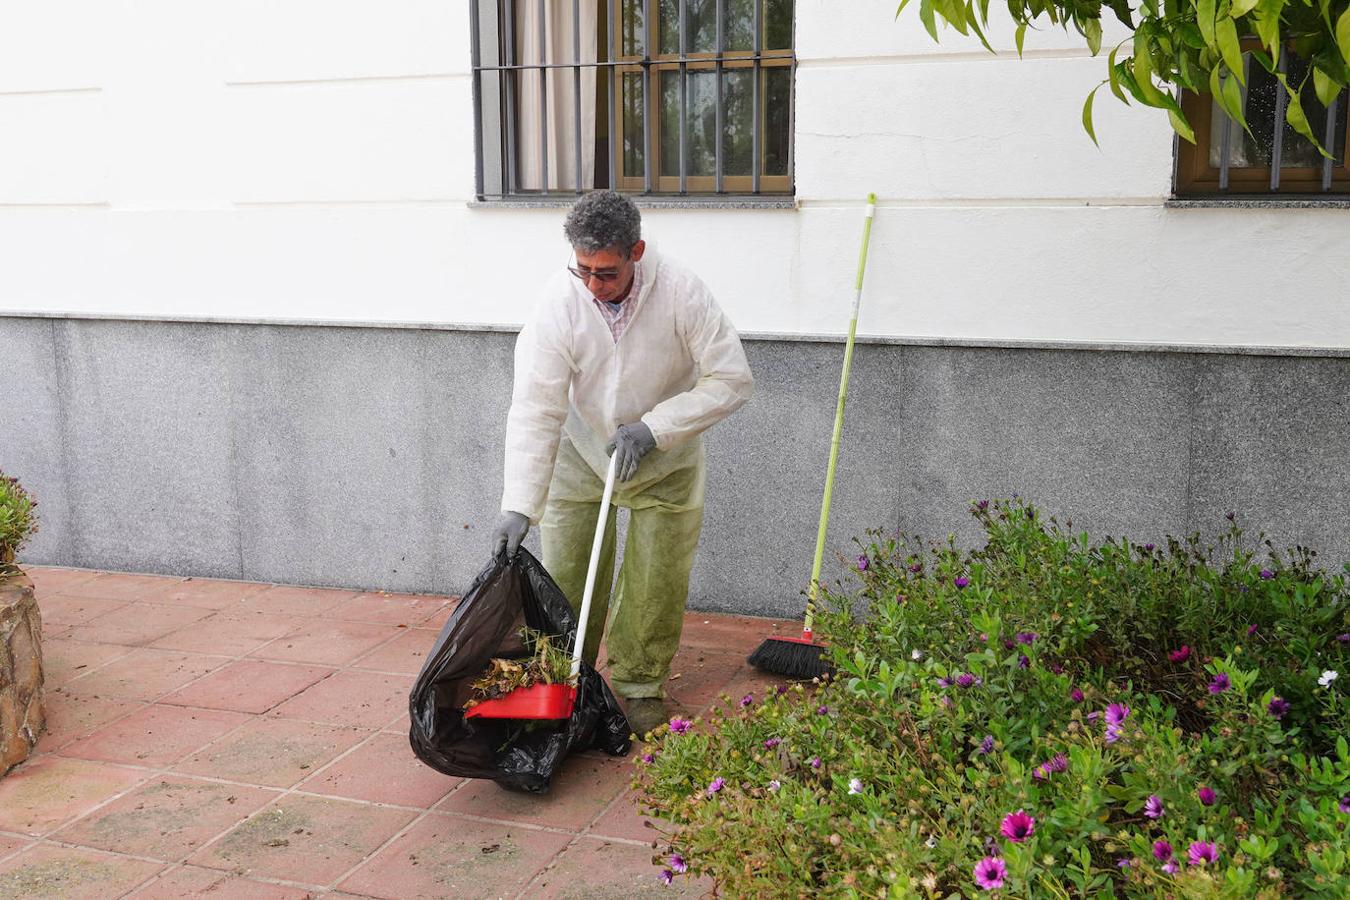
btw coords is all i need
(592, 868)
(328, 643)
(70, 718)
(11, 845)
(702, 676)
(71, 874)
(230, 633)
(307, 839)
(383, 770)
(445, 856)
(208, 593)
(155, 736)
(49, 791)
(166, 818)
(137, 623)
(51, 580)
(388, 609)
(360, 699)
(625, 819)
(297, 601)
(120, 586)
(63, 659)
(400, 724)
(193, 882)
(271, 752)
(404, 653)
(581, 790)
(63, 609)
(144, 674)
(249, 685)
(441, 616)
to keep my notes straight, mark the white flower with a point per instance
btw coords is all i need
(929, 882)
(775, 785)
(931, 842)
(916, 655)
(1327, 678)
(855, 786)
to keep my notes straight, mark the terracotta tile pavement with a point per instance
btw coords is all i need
(246, 740)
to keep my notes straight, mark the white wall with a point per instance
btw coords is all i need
(313, 159)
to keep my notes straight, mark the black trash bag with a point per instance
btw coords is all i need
(520, 755)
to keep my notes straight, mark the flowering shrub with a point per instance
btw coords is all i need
(17, 521)
(1042, 717)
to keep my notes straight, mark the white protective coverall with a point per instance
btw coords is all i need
(678, 367)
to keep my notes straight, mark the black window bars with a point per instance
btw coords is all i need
(497, 74)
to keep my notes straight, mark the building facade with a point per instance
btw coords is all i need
(261, 265)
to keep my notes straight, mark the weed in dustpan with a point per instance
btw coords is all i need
(546, 664)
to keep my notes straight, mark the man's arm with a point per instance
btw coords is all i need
(724, 383)
(539, 399)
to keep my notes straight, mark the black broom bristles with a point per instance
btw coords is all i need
(794, 659)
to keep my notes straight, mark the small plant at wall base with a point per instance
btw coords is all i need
(17, 521)
(1192, 44)
(1042, 717)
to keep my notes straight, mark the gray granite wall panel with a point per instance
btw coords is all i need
(372, 457)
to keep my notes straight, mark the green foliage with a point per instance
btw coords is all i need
(548, 663)
(1097, 686)
(1192, 44)
(17, 521)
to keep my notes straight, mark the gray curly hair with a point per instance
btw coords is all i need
(603, 219)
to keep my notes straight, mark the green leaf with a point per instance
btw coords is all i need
(1143, 79)
(1268, 24)
(1020, 36)
(1092, 30)
(954, 11)
(1114, 77)
(1191, 35)
(901, 8)
(975, 27)
(1225, 31)
(1343, 34)
(1180, 125)
(1122, 10)
(1204, 17)
(1297, 119)
(1327, 90)
(1087, 114)
(927, 18)
(1228, 95)
(1241, 7)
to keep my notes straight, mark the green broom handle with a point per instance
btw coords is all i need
(814, 590)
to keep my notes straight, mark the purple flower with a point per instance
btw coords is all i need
(944, 682)
(1278, 707)
(747, 700)
(962, 581)
(1344, 638)
(1094, 715)
(1023, 662)
(780, 690)
(717, 784)
(680, 726)
(916, 568)
(1219, 684)
(982, 505)
(1058, 763)
(1230, 515)
(648, 758)
(1116, 713)
(1170, 866)
(1153, 807)
(822, 710)
(987, 745)
(774, 785)
(863, 563)
(1201, 852)
(1040, 773)
(899, 598)
(947, 702)
(1148, 548)
(1162, 851)
(1027, 637)
(1018, 826)
(677, 864)
(815, 762)
(1206, 795)
(965, 679)
(1267, 574)
(855, 786)
(1057, 668)
(1122, 863)
(1076, 695)
(990, 872)
(772, 742)
(1008, 644)
(1112, 733)
(666, 876)
(1344, 805)
(1181, 654)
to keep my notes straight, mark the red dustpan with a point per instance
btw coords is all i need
(554, 701)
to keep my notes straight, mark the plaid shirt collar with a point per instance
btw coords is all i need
(618, 317)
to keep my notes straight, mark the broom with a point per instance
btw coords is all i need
(801, 657)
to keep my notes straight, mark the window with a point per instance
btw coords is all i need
(1273, 159)
(664, 97)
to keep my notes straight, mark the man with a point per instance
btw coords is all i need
(627, 354)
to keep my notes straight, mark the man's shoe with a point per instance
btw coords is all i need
(646, 714)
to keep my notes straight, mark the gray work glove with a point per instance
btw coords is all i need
(628, 445)
(510, 531)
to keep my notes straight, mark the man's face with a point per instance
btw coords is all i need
(608, 273)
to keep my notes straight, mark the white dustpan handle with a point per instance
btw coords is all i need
(596, 547)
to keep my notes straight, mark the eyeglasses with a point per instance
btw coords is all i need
(586, 274)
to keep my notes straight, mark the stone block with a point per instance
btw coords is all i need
(21, 712)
